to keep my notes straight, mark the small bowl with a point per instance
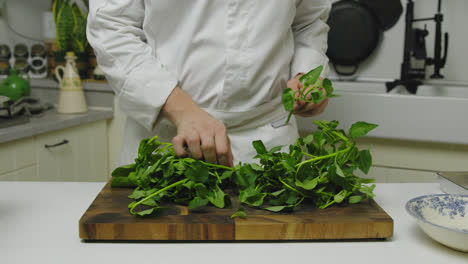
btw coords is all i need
(443, 217)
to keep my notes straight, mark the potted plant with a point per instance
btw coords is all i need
(70, 24)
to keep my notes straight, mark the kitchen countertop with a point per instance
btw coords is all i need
(39, 224)
(51, 121)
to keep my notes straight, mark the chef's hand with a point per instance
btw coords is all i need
(302, 108)
(203, 135)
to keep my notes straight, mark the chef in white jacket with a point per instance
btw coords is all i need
(208, 74)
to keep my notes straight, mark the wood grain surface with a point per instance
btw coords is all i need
(108, 219)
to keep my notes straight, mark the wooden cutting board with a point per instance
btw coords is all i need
(108, 219)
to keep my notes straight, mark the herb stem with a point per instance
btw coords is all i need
(216, 165)
(322, 157)
(290, 187)
(156, 193)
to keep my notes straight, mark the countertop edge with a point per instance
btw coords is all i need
(53, 122)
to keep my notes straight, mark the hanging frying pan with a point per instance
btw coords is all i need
(355, 30)
(387, 12)
(354, 34)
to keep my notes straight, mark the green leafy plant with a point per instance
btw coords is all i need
(159, 176)
(312, 91)
(318, 169)
(70, 22)
(282, 181)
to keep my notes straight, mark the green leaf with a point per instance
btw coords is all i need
(121, 182)
(355, 199)
(339, 197)
(275, 149)
(216, 197)
(245, 176)
(197, 172)
(251, 197)
(150, 202)
(327, 85)
(146, 212)
(201, 190)
(123, 171)
(307, 184)
(317, 96)
(259, 147)
(309, 139)
(368, 190)
(364, 161)
(360, 129)
(197, 202)
(338, 180)
(288, 98)
(277, 192)
(312, 76)
(256, 167)
(240, 213)
(226, 175)
(292, 199)
(277, 208)
(338, 170)
(137, 194)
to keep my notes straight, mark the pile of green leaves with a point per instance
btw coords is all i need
(311, 92)
(318, 169)
(159, 176)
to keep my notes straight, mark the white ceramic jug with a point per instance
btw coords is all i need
(71, 98)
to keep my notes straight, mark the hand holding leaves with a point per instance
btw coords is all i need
(310, 96)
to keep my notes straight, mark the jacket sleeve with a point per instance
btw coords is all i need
(141, 82)
(310, 36)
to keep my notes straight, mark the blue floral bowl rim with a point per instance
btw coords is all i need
(408, 210)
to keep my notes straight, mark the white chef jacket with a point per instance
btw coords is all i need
(233, 57)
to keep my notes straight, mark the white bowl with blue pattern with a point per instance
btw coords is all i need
(443, 217)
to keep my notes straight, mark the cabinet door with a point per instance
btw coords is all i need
(73, 154)
(17, 155)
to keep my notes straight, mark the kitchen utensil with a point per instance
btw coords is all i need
(14, 86)
(387, 12)
(443, 217)
(108, 219)
(71, 97)
(355, 30)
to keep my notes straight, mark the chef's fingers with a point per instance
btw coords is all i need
(193, 144)
(312, 110)
(223, 148)
(178, 143)
(208, 147)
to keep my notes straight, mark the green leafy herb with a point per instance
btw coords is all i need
(240, 213)
(318, 169)
(311, 92)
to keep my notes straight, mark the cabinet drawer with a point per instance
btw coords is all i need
(73, 154)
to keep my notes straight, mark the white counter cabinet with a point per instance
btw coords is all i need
(77, 153)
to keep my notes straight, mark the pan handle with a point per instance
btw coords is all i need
(352, 72)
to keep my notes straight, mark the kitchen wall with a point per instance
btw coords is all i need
(386, 60)
(25, 17)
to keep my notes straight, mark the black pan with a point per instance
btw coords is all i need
(353, 36)
(356, 26)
